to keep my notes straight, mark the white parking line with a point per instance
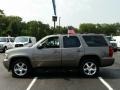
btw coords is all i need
(105, 83)
(32, 83)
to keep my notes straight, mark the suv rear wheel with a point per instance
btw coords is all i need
(20, 68)
(89, 68)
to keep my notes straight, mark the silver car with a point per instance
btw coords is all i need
(6, 43)
(87, 52)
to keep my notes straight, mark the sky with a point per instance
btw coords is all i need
(72, 12)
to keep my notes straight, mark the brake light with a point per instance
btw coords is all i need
(110, 51)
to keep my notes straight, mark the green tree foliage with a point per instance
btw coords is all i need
(108, 29)
(37, 29)
(14, 26)
(1, 12)
(87, 28)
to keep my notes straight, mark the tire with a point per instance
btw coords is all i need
(115, 50)
(89, 68)
(5, 48)
(20, 68)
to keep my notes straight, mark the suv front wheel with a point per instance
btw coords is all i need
(20, 68)
(89, 68)
(5, 48)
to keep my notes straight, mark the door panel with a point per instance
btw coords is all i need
(48, 57)
(50, 53)
(72, 51)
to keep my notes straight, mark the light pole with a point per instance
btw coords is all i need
(54, 18)
(59, 25)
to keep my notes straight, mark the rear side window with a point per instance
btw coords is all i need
(71, 41)
(95, 41)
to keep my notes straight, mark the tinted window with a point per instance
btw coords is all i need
(95, 41)
(7, 40)
(11, 39)
(71, 41)
(109, 38)
(21, 39)
(52, 42)
(2, 39)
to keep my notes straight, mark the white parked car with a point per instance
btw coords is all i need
(22, 41)
(113, 43)
(117, 38)
(6, 43)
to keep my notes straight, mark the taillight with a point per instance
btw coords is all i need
(110, 51)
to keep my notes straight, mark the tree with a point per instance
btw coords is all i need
(87, 28)
(108, 29)
(1, 12)
(14, 25)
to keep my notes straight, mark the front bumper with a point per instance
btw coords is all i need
(107, 61)
(1, 48)
(6, 64)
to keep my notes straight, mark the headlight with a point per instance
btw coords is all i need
(1, 45)
(26, 43)
(6, 56)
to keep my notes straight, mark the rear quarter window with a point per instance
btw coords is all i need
(95, 41)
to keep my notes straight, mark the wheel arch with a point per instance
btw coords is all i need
(94, 57)
(13, 59)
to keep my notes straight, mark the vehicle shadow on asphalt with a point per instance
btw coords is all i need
(56, 74)
(105, 73)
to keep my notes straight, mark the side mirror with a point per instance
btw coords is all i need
(7, 40)
(30, 41)
(40, 46)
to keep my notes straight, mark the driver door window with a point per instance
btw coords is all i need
(52, 42)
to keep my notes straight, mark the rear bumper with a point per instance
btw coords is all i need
(107, 61)
(115, 49)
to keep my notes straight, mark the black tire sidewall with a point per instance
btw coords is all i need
(5, 48)
(28, 69)
(82, 71)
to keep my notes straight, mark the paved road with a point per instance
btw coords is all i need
(54, 80)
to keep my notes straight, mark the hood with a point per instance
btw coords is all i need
(2, 42)
(20, 43)
(112, 41)
(20, 50)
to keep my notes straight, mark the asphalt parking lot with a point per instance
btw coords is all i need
(109, 79)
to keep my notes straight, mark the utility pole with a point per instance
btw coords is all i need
(59, 25)
(54, 18)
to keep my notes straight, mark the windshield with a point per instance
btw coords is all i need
(21, 39)
(110, 38)
(2, 39)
